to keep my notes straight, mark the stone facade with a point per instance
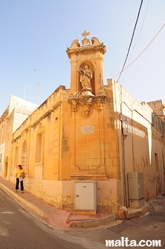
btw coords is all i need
(92, 131)
(143, 145)
(15, 114)
(158, 108)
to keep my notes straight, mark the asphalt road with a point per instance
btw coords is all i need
(20, 230)
(148, 227)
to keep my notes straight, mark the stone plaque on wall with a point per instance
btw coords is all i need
(87, 129)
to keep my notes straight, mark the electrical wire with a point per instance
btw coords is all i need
(131, 40)
(142, 51)
(139, 32)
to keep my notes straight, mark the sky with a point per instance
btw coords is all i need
(35, 34)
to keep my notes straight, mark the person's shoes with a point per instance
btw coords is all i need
(22, 192)
(16, 191)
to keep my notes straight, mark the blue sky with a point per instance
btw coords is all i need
(36, 33)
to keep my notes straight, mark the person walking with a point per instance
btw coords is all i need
(20, 175)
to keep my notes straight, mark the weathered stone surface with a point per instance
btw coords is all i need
(92, 131)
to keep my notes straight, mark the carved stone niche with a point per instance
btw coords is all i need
(91, 51)
(87, 87)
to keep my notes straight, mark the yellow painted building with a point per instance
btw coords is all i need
(94, 131)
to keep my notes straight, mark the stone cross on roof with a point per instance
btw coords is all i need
(85, 41)
(85, 33)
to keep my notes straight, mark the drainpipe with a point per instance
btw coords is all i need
(124, 175)
(121, 135)
(124, 168)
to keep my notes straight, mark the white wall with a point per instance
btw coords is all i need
(22, 109)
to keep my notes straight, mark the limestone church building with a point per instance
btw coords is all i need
(93, 133)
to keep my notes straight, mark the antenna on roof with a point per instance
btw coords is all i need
(39, 91)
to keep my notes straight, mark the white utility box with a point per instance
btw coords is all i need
(136, 189)
(85, 196)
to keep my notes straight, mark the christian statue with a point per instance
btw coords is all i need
(85, 77)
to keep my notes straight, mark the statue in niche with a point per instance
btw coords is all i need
(85, 77)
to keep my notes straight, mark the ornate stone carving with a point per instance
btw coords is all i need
(95, 41)
(85, 76)
(86, 100)
(86, 45)
(75, 44)
(85, 41)
(85, 33)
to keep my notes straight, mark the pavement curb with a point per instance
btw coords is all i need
(132, 213)
(72, 224)
(93, 223)
(23, 202)
(68, 222)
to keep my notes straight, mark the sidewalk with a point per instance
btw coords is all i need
(57, 218)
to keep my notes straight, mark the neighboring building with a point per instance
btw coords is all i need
(17, 111)
(91, 131)
(158, 108)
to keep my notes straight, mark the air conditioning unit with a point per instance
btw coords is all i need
(85, 196)
(136, 189)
